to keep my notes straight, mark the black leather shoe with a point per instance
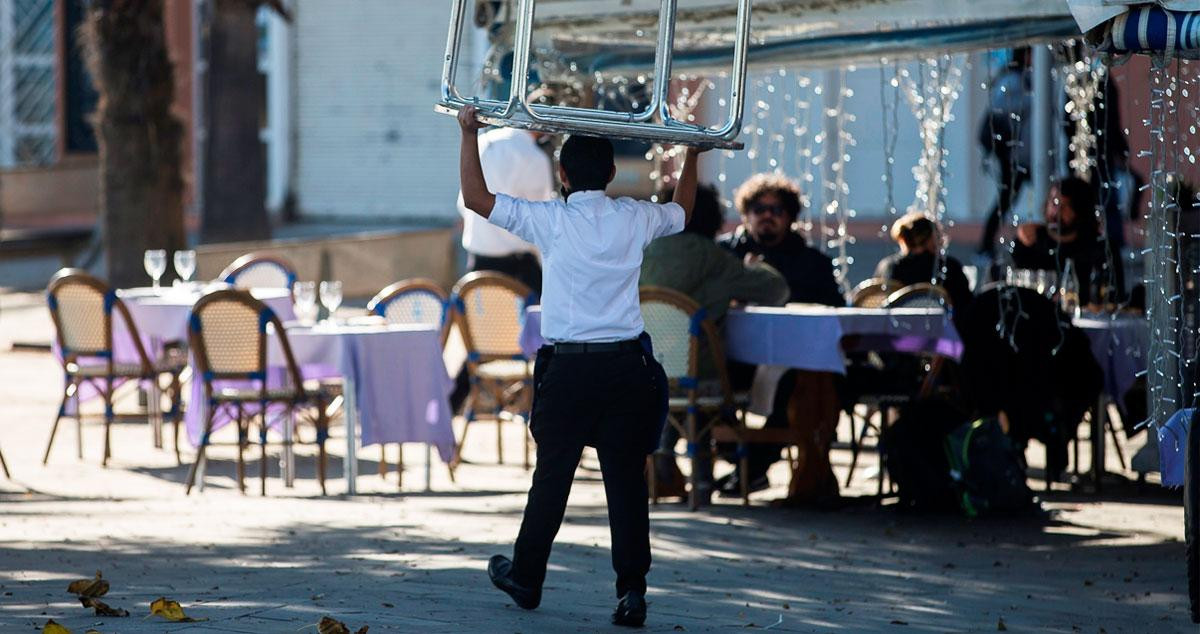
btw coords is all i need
(500, 571)
(631, 610)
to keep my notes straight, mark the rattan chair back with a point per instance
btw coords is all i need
(490, 311)
(260, 271)
(228, 332)
(873, 292)
(82, 307)
(924, 295)
(413, 301)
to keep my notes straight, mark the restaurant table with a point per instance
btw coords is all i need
(808, 337)
(1119, 343)
(161, 316)
(395, 385)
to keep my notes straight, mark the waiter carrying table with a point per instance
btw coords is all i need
(596, 383)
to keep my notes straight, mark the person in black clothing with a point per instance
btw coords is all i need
(919, 262)
(1004, 134)
(1069, 232)
(770, 205)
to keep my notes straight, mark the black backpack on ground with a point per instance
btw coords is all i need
(915, 458)
(987, 469)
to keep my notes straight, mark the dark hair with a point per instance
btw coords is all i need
(707, 218)
(588, 162)
(1082, 195)
(761, 184)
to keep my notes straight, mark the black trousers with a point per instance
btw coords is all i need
(604, 400)
(1010, 180)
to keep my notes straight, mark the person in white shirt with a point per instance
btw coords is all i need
(513, 164)
(597, 382)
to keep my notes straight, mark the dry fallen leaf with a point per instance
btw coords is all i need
(333, 626)
(89, 587)
(1001, 626)
(170, 610)
(102, 608)
(54, 628)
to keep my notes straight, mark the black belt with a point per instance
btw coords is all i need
(629, 345)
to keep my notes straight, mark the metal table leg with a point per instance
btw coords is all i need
(351, 415)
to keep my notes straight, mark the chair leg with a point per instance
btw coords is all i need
(78, 425)
(744, 475)
(468, 418)
(322, 434)
(108, 420)
(262, 462)
(199, 454)
(855, 447)
(176, 414)
(4, 466)
(383, 465)
(883, 423)
(499, 434)
(243, 432)
(62, 411)
(693, 481)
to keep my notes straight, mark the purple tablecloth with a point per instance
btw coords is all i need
(1119, 344)
(809, 337)
(400, 384)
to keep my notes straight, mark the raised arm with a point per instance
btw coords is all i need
(685, 189)
(475, 192)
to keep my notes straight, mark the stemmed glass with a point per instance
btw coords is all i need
(331, 297)
(155, 262)
(305, 295)
(185, 265)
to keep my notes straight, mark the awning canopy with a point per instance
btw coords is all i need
(616, 36)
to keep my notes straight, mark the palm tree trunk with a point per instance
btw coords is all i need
(235, 167)
(139, 137)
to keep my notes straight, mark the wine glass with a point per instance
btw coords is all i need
(155, 262)
(331, 297)
(305, 296)
(185, 265)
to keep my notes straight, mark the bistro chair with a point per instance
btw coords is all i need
(489, 309)
(255, 270)
(677, 325)
(922, 295)
(228, 333)
(411, 301)
(873, 293)
(82, 307)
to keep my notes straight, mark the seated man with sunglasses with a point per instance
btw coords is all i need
(769, 205)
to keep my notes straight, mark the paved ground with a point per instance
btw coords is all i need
(414, 561)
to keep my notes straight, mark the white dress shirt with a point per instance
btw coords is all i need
(513, 164)
(591, 257)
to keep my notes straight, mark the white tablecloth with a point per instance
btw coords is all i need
(164, 316)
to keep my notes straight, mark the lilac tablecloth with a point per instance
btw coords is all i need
(1119, 344)
(399, 380)
(809, 337)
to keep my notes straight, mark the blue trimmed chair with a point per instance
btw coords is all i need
(255, 270)
(411, 301)
(414, 301)
(676, 325)
(228, 333)
(489, 309)
(82, 307)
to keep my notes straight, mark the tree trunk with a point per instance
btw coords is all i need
(235, 178)
(139, 138)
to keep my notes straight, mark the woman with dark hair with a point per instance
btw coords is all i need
(918, 261)
(1070, 233)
